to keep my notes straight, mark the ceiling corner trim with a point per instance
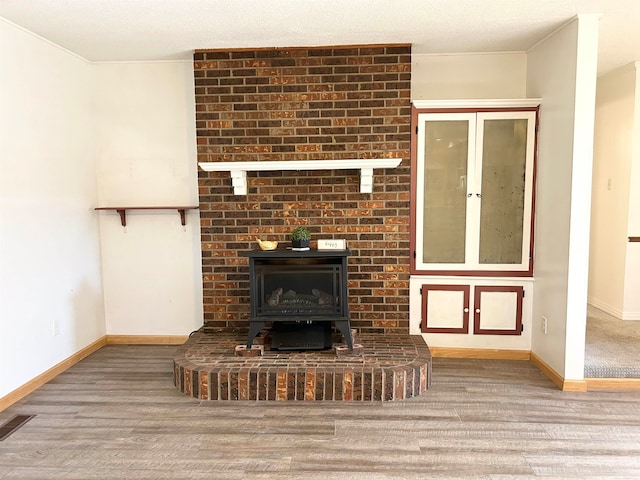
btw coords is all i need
(42, 39)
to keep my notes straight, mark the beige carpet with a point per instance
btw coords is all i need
(612, 346)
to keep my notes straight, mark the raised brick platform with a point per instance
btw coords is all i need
(392, 367)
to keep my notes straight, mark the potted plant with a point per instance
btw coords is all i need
(300, 237)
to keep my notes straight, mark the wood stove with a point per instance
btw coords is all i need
(301, 293)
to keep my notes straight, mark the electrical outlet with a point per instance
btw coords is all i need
(544, 325)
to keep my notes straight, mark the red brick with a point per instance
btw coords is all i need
(270, 105)
(254, 351)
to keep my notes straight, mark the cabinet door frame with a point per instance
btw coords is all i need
(471, 268)
(526, 259)
(466, 292)
(477, 309)
(466, 186)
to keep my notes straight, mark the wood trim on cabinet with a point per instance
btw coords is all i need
(424, 325)
(413, 188)
(415, 111)
(475, 273)
(533, 190)
(477, 309)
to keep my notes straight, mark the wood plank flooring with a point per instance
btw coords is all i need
(482, 419)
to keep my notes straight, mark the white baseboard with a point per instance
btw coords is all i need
(614, 312)
(605, 307)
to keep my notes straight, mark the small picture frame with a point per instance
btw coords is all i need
(337, 244)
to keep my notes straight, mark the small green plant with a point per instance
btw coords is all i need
(300, 233)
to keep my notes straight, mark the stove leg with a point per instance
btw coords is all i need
(254, 328)
(344, 326)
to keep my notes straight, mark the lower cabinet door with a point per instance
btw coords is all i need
(497, 310)
(445, 308)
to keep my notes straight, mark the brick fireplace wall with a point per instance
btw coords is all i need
(306, 104)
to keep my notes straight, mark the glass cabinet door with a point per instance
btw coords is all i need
(502, 148)
(474, 188)
(445, 148)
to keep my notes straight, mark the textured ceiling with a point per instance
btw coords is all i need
(137, 30)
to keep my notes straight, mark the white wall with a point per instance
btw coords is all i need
(615, 105)
(632, 273)
(562, 71)
(51, 301)
(468, 76)
(146, 155)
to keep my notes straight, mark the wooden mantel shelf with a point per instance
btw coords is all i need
(238, 170)
(122, 211)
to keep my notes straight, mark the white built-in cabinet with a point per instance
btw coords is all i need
(473, 172)
(472, 312)
(474, 191)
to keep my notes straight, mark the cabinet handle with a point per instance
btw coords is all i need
(479, 195)
(466, 310)
(469, 195)
(477, 310)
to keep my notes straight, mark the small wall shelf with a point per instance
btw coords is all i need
(238, 170)
(122, 211)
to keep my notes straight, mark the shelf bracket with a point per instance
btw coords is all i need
(183, 219)
(123, 216)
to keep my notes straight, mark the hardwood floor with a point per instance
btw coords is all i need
(482, 419)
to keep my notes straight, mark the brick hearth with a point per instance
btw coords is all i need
(392, 367)
(301, 104)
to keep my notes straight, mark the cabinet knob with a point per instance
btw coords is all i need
(466, 310)
(477, 310)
